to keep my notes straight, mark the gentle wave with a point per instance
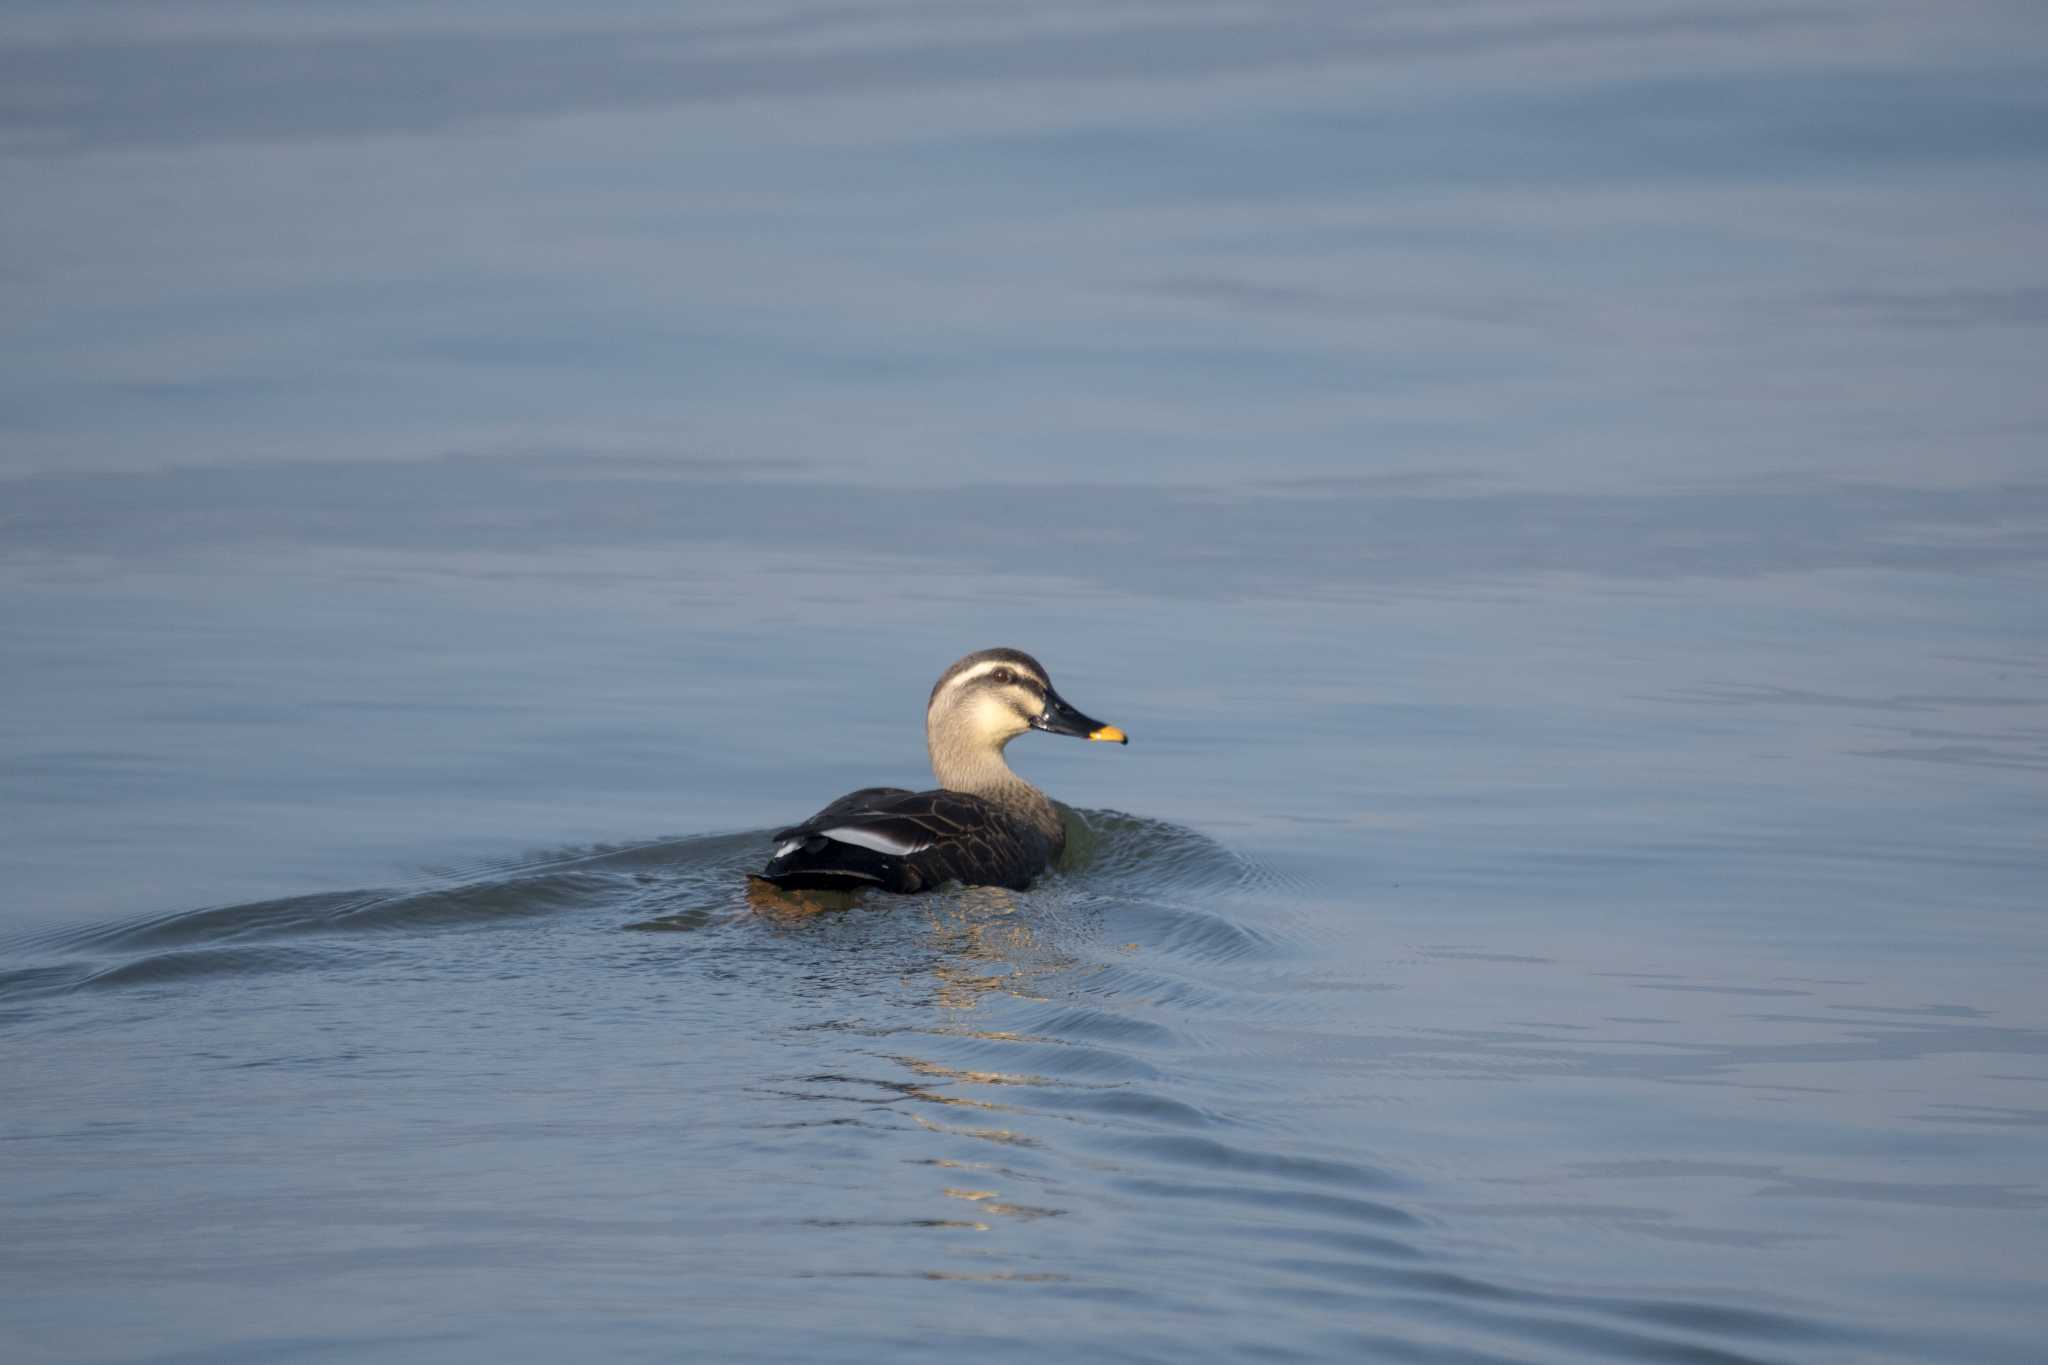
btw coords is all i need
(675, 884)
(1048, 1055)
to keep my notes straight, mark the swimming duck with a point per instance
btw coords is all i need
(984, 825)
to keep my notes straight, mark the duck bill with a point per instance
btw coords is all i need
(1058, 718)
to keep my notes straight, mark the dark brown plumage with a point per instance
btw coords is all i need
(964, 839)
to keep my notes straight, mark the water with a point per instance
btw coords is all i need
(1553, 493)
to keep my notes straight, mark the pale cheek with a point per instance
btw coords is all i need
(999, 718)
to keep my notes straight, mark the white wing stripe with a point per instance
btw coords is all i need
(863, 837)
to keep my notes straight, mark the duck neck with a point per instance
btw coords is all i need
(981, 771)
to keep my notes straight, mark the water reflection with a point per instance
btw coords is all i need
(1561, 481)
(989, 946)
(1035, 1081)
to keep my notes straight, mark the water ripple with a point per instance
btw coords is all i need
(1043, 1063)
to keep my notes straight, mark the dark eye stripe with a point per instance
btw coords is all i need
(1031, 685)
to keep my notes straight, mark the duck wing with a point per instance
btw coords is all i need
(907, 841)
(852, 806)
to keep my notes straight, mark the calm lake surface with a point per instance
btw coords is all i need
(1555, 493)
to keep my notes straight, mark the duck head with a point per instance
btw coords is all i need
(993, 695)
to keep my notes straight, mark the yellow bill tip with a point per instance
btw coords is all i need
(1110, 733)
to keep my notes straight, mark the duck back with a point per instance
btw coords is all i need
(906, 841)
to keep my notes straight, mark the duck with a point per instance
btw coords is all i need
(982, 825)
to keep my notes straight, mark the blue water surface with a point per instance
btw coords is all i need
(1553, 490)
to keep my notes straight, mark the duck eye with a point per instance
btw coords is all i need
(1004, 675)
